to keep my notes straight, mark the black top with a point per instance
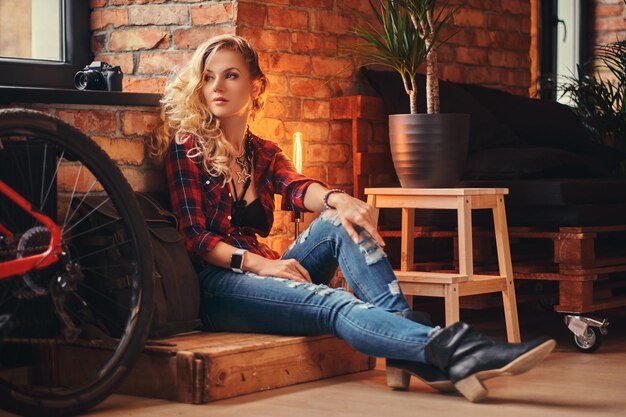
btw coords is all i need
(251, 215)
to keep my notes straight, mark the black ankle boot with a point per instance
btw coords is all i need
(399, 371)
(470, 358)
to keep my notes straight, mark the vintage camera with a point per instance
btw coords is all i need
(99, 76)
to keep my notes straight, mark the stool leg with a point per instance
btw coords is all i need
(452, 303)
(464, 217)
(506, 271)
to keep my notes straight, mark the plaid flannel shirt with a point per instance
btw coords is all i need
(204, 206)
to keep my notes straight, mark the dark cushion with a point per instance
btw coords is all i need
(529, 162)
(485, 130)
(543, 123)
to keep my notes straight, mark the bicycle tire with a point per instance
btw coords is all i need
(29, 382)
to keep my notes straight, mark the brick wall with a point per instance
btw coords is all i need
(298, 44)
(610, 21)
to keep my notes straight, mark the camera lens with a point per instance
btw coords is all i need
(88, 80)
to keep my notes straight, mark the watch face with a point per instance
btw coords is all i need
(236, 261)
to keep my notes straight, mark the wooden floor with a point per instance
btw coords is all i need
(568, 384)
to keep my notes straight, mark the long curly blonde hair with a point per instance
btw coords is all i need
(185, 114)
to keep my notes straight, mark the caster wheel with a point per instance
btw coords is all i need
(589, 342)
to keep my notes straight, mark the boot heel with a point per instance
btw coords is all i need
(398, 378)
(472, 388)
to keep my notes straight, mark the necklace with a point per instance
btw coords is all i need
(245, 164)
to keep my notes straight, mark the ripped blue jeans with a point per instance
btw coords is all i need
(370, 323)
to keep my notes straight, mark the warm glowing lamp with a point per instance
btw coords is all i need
(297, 161)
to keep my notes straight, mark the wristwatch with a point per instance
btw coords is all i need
(236, 260)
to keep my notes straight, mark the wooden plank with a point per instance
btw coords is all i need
(435, 191)
(575, 251)
(424, 202)
(576, 295)
(432, 277)
(210, 373)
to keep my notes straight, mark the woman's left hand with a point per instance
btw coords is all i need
(352, 212)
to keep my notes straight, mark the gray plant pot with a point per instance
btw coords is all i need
(429, 150)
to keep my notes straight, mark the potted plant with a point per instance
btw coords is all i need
(598, 94)
(428, 150)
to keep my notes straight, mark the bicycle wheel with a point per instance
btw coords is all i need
(56, 356)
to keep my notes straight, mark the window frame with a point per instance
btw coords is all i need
(50, 74)
(549, 21)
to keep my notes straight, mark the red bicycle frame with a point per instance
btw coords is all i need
(42, 260)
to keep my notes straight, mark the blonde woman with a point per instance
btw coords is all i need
(222, 180)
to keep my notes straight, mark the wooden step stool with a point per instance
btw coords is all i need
(203, 367)
(449, 285)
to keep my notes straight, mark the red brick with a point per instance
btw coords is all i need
(358, 5)
(212, 14)
(132, 2)
(290, 63)
(325, 153)
(265, 38)
(318, 42)
(613, 23)
(267, 128)
(516, 6)
(474, 56)
(144, 85)
(316, 109)
(345, 87)
(481, 75)
(162, 62)
(608, 10)
(278, 84)
(102, 18)
(94, 4)
(497, 22)
(341, 131)
(135, 39)
(122, 150)
(250, 14)
(138, 180)
(124, 61)
(279, 17)
(192, 38)
(469, 18)
(312, 131)
(315, 171)
(70, 177)
(312, 3)
(283, 108)
(309, 87)
(499, 58)
(332, 67)
(158, 15)
(515, 78)
(139, 122)
(340, 175)
(90, 121)
(332, 22)
(452, 73)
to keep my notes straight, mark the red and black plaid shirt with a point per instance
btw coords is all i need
(204, 206)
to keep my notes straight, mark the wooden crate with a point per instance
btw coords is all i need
(204, 367)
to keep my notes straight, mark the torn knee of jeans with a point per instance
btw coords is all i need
(394, 287)
(369, 247)
(331, 216)
(303, 236)
(361, 304)
(253, 275)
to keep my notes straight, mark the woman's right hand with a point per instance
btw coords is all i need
(281, 268)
